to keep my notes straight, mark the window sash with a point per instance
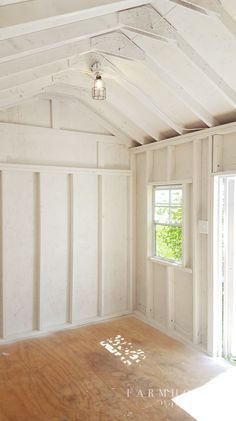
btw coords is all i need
(170, 205)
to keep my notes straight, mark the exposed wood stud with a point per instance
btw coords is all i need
(149, 266)
(101, 256)
(72, 243)
(133, 219)
(40, 256)
(211, 287)
(196, 204)
(37, 270)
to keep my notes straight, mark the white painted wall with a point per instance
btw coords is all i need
(65, 212)
(183, 295)
(67, 224)
(175, 300)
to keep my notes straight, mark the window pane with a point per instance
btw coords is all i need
(168, 241)
(161, 196)
(162, 214)
(176, 215)
(176, 196)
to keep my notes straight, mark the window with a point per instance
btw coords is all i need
(167, 222)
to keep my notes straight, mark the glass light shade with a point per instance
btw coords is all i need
(99, 89)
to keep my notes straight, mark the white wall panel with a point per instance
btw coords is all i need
(114, 156)
(30, 145)
(159, 165)
(36, 111)
(54, 249)
(115, 245)
(72, 115)
(183, 161)
(19, 280)
(183, 299)
(173, 288)
(229, 152)
(51, 223)
(160, 312)
(85, 240)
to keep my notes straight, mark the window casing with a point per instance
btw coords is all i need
(168, 223)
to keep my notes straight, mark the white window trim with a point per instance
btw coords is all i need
(185, 264)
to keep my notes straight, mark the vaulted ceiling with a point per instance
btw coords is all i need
(169, 65)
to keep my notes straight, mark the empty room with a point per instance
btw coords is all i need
(117, 210)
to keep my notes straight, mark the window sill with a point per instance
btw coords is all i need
(171, 264)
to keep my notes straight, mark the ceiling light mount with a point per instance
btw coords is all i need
(99, 88)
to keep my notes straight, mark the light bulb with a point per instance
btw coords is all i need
(99, 89)
(99, 84)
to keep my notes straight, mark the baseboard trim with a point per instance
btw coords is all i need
(97, 320)
(172, 334)
(50, 330)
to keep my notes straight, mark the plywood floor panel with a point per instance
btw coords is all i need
(71, 376)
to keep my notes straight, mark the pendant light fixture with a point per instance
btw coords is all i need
(99, 88)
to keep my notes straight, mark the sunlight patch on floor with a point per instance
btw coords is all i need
(123, 350)
(214, 401)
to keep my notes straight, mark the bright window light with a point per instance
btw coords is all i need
(167, 223)
(215, 401)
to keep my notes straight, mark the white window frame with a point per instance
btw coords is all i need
(187, 250)
(154, 223)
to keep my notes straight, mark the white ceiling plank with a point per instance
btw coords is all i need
(210, 7)
(37, 15)
(66, 52)
(180, 92)
(118, 44)
(153, 24)
(44, 58)
(14, 96)
(213, 77)
(84, 96)
(18, 79)
(227, 20)
(146, 20)
(137, 119)
(49, 39)
(19, 71)
(202, 6)
(146, 100)
(7, 2)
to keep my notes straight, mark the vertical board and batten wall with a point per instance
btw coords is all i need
(65, 229)
(178, 300)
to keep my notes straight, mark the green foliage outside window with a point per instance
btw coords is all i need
(169, 242)
(168, 223)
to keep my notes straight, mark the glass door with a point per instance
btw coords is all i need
(225, 264)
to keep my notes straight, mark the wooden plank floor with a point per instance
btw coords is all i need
(122, 369)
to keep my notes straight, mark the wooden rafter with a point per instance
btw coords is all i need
(147, 20)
